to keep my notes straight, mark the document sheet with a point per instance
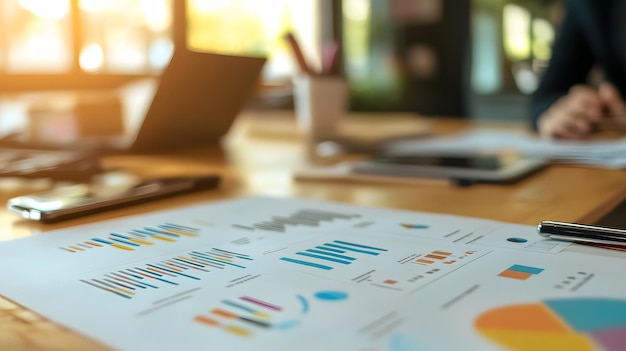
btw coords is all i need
(260, 273)
(592, 153)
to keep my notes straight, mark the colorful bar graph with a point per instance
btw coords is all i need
(335, 252)
(169, 272)
(520, 272)
(136, 238)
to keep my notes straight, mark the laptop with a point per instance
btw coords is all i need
(198, 96)
(197, 99)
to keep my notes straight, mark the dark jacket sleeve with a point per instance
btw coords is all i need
(571, 61)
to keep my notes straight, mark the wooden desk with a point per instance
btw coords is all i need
(261, 153)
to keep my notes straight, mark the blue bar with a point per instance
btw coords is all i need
(149, 272)
(323, 258)
(134, 275)
(354, 250)
(174, 272)
(167, 281)
(120, 236)
(329, 249)
(357, 245)
(102, 241)
(107, 290)
(187, 262)
(126, 280)
(139, 235)
(525, 269)
(332, 254)
(241, 307)
(124, 242)
(242, 256)
(158, 231)
(120, 284)
(218, 261)
(305, 263)
(179, 226)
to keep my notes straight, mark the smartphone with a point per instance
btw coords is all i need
(494, 168)
(84, 199)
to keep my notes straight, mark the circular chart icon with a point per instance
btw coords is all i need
(557, 324)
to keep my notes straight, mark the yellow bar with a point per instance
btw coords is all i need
(139, 241)
(156, 236)
(124, 291)
(122, 247)
(261, 315)
(181, 232)
(238, 330)
(219, 258)
(77, 248)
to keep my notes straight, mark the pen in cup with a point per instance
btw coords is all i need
(297, 51)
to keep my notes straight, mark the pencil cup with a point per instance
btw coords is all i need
(320, 103)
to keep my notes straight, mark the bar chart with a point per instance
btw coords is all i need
(135, 238)
(130, 282)
(305, 218)
(329, 255)
(520, 272)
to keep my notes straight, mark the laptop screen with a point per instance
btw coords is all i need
(197, 99)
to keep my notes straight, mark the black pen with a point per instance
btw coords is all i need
(582, 233)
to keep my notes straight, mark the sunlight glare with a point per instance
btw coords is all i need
(91, 58)
(51, 9)
(156, 14)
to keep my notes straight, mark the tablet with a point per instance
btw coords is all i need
(504, 168)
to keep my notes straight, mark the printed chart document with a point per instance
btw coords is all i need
(289, 274)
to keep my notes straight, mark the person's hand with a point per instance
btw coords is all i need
(575, 115)
(614, 104)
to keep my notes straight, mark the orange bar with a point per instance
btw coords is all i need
(172, 267)
(207, 321)
(436, 257)
(515, 275)
(224, 314)
(442, 253)
(157, 271)
(425, 261)
(92, 243)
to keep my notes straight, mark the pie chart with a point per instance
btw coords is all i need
(559, 324)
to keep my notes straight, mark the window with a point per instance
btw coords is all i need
(104, 43)
(115, 36)
(90, 44)
(256, 27)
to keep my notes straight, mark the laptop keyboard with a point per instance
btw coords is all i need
(22, 329)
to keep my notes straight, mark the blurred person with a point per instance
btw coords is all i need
(593, 33)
